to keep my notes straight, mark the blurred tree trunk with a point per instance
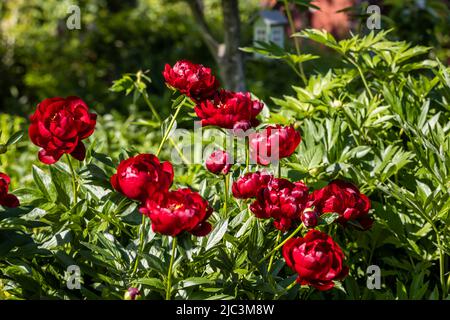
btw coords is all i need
(226, 54)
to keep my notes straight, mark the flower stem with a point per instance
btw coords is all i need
(152, 107)
(289, 287)
(74, 180)
(279, 168)
(227, 189)
(281, 244)
(158, 118)
(164, 139)
(301, 72)
(169, 128)
(273, 253)
(362, 77)
(441, 265)
(141, 245)
(247, 153)
(169, 274)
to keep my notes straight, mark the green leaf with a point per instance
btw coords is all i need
(15, 138)
(328, 218)
(43, 182)
(217, 234)
(152, 283)
(193, 281)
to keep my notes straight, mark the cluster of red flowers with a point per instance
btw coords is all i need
(222, 108)
(146, 179)
(288, 202)
(316, 258)
(59, 125)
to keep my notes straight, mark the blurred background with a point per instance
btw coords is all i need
(40, 57)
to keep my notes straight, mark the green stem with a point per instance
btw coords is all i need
(158, 118)
(281, 244)
(296, 43)
(227, 188)
(169, 128)
(279, 168)
(289, 287)
(164, 139)
(273, 254)
(152, 107)
(441, 264)
(169, 274)
(247, 153)
(141, 246)
(362, 77)
(74, 180)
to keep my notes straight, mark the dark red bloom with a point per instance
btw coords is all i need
(193, 80)
(229, 110)
(273, 144)
(7, 199)
(141, 176)
(345, 199)
(178, 211)
(59, 125)
(316, 258)
(219, 162)
(281, 200)
(247, 186)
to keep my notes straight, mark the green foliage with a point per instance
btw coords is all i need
(380, 120)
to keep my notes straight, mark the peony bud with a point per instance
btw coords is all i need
(241, 127)
(218, 162)
(132, 294)
(310, 217)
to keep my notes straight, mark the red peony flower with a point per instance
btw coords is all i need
(7, 199)
(141, 176)
(229, 110)
(248, 185)
(345, 199)
(193, 80)
(316, 258)
(281, 200)
(59, 125)
(218, 162)
(273, 144)
(178, 211)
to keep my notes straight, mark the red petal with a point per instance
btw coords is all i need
(47, 157)
(202, 229)
(10, 201)
(79, 152)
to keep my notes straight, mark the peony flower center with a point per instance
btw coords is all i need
(175, 206)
